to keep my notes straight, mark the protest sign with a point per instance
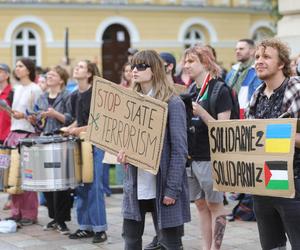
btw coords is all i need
(121, 118)
(179, 88)
(253, 156)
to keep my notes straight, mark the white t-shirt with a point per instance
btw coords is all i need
(243, 97)
(24, 99)
(146, 182)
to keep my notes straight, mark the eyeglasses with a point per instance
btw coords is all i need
(140, 66)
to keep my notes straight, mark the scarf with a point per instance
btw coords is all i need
(238, 78)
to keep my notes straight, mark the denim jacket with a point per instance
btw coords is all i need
(52, 125)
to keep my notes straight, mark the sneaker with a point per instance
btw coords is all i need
(27, 222)
(154, 245)
(63, 229)
(99, 237)
(13, 218)
(7, 205)
(79, 234)
(50, 226)
(230, 217)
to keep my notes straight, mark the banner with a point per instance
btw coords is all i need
(253, 156)
(121, 118)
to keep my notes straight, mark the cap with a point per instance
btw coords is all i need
(5, 67)
(168, 58)
(132, 51)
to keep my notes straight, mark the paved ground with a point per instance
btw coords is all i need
(239, 235)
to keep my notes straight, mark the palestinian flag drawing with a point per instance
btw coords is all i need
(276, 175)
(278, 138)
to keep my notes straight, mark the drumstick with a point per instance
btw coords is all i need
(4, 106)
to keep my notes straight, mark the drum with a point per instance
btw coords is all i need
(14, 176)
(87, 160)
(48, 163)
(4, 167)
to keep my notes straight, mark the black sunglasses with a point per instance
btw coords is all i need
(140, 66)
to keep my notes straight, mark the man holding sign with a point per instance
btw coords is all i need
(278, 96)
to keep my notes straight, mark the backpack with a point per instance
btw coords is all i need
(187, 99)
(217, 84)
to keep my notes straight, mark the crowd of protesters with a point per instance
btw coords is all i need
(49, 103)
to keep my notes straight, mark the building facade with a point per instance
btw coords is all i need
(289, 25)
(102, 30)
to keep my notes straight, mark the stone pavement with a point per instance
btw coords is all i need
(238, 235)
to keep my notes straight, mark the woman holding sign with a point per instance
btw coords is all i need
(91, 214)
(165, 194)
(200, 65)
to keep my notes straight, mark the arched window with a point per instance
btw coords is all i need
(193, 36)
(262, 33)
(26, 44)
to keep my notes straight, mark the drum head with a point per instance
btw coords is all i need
(42, 140)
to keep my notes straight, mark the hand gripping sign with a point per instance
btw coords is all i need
(253, 156)
(121, 118)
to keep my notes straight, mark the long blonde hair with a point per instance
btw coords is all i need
(162, 88)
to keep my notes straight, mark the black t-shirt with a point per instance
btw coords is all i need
(200, 141)
(81, 103)
(51, 101)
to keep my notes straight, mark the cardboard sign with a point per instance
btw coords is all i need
(253, 156)
(110, 158)
(179, 88)
(121, 118)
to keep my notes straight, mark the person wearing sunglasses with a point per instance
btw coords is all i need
(170, 67)
(164, 194)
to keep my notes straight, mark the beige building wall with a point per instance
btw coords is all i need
(151, 27)
(289, 25)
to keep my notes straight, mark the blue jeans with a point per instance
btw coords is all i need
(277, 217)
(106, 187)
(91, 213)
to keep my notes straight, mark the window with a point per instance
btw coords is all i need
(257, 3)
(26, 44)
(262, 33)
(192, 37)
(114, 1)
(194, 2)
(243, 3)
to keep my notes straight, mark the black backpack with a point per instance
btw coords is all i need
(188, 97)
(217, 85)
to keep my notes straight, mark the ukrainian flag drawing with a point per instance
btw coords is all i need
(278, 138)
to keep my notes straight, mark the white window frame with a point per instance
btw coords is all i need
(114, 1)
(26, 42)
(259, 34)
(194, 2)
(193, 40)
(243, 2)
(256, 3)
